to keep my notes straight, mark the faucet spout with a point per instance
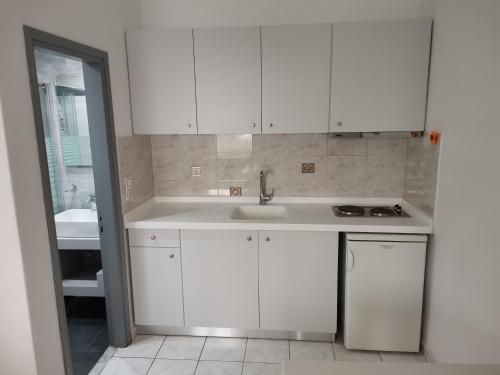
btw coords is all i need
(263, 196)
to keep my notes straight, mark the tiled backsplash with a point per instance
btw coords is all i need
(167, 165)
(421, 174)
(372, 167)
(134, 160)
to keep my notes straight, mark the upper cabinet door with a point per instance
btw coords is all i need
(161, 73)
(379, 75)
(228, 86)
(295, 78)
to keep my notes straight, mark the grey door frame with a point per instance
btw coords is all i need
(103, 144)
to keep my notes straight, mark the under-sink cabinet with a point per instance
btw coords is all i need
(241, 279)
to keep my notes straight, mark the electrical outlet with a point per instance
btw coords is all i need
(235, 191)
(307, 167)
(129, 193)
(195, 171)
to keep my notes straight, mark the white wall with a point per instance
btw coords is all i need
(96, 23)
(207, 13)
(462, 316)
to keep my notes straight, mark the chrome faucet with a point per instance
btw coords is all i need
(264, 197)
(92, 201)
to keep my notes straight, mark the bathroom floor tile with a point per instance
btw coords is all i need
(267, 351)
(127, 366)
(311, 350)
(173, 367)
(219, 368)
(224, 349)
(143, 346)
(262, 368)
(182, 347)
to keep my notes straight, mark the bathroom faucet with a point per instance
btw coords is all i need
(92, 201)
(264, 197)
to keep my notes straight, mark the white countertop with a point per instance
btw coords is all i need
(302, 367)
(310, 214)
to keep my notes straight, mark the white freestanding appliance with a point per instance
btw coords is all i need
(384, 279)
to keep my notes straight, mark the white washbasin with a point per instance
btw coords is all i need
(77, 223)
(259, 213)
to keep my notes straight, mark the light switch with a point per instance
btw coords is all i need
(129, 193)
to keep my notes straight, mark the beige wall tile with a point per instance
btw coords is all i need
(270, 145)
(345, 188)
(381, 189)
(248, 188)
(166, 145)
(203, 146)
(308, 187)
(346, 146)
(386, 146)
(276, 167)
(421, 169)
(420, 147)
(234, 145)
(200, 187)
(234, 169)
(385, 168)
(346, 168)
(295, 166)
(308, 144)
(165, 188)
(167, 168)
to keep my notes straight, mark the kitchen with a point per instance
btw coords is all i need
(287, 191)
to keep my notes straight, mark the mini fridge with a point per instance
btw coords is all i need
(384, 279)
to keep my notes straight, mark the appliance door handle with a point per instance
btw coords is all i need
(350, 260)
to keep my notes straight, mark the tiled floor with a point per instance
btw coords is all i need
(183, 355)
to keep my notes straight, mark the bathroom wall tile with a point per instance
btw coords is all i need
(277, 167)
(308, 187)
(385, 168)
(166, 188)
(248, 187)
(308, 144)
(270, 145)
(234, 169)
(346, 168)
(295, 167)
(346, 146)
(345, 188)
(384, 189)
(168, 168)
(200, 187)
(203, 146)
(386, 146)
(234, 145)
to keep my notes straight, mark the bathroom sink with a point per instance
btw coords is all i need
(77, 223)
(259, 213)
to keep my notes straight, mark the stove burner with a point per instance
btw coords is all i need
(350, 210)
(382, 211)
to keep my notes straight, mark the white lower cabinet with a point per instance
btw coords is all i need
(220, 275)
(157, 286)
(298, 280)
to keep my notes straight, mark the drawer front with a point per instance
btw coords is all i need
(154, 237)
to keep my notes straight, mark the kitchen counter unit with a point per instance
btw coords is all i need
(304, 214)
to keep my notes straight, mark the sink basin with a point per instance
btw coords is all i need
(77, 223)
(259, 213)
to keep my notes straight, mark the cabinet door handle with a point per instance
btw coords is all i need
(350, 260)
(270, 125)
(339, 123)
(252, 125)
(267, 239)
(188, 125)
(172, 256)
(249, 238)
(153, 237)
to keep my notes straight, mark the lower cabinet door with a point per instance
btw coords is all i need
(157, 286)
(298, 280)
(220, 276)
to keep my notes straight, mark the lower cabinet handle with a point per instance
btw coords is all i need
(153, 237)
(249, 238)
(350, 260)
(267, 239)
(172, 256)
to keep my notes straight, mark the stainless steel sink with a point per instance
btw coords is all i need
(259, 213)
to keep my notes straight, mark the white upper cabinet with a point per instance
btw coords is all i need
(228, 80)
(161, 73)
(379, 75)
(295, 78)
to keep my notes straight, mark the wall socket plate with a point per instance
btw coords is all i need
(129, 193)
(195, 171)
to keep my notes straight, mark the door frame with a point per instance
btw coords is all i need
(115, 281)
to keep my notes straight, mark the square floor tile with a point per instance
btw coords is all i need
(311, 350)
(402, 357)
(181, 347)
(173, 367)
(267, 351)
(143, 346)
(343, 354)
(127, 366)
(262, 369)
(219, 368)
(224, 349)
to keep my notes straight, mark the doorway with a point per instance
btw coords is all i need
(76, 142)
